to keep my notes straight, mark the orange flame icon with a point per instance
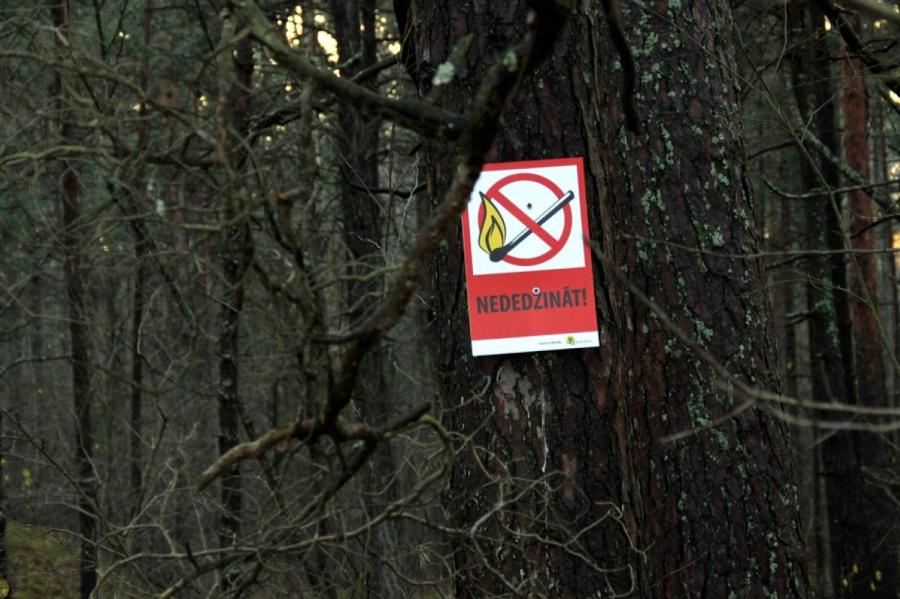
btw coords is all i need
(493, 229)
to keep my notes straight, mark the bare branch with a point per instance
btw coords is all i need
(302, 429)
(545, 25)
(423, 118)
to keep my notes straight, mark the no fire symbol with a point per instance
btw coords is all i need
(493, 238)
(526, 220)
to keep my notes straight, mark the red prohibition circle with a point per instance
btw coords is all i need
(496, 195)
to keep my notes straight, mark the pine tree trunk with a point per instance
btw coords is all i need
(137, 302)
(810, 74)
(852, 516)
(365, 228)
(235, 74)
(570, 444)
(870, 377)
(876, 573)
(74, 282)
(4, 506)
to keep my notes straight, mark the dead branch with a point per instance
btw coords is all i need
(421, 117)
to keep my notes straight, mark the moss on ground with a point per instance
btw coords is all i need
(42, 563)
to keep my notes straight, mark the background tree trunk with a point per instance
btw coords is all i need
(870, 375)
(836, 366)
(236, 70)
(876, 571)
(366, 221)
(560, 439)
(74, 275)
(810, 79)
(137, 302)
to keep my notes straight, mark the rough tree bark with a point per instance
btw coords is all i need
(74, 282)
(570, 445)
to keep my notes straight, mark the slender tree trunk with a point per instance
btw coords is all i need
(870, 376)
(567, 487)
(895, 312)
(358, 146)
(354, 24)
(74, 281)
(4, 558)
(791, 386)
(883, 238)
(365, 226)
(236, 256)
(36, 337)
(890, 274)
(137, 298)
(852, 516)
(137, 375)
(876, 572)
(810, 74)
(887, 282)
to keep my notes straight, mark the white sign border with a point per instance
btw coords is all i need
(519, 345)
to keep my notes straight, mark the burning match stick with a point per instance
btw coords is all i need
(501, 252)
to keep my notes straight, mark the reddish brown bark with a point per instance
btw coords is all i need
(712, 515)
(74, 281)
(876, 571)
(852, 515)
(870, 379)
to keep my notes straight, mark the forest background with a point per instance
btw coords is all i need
(234, 353)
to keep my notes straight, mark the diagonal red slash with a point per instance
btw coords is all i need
(526, 220)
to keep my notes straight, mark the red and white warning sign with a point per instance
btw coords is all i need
(528, 268)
